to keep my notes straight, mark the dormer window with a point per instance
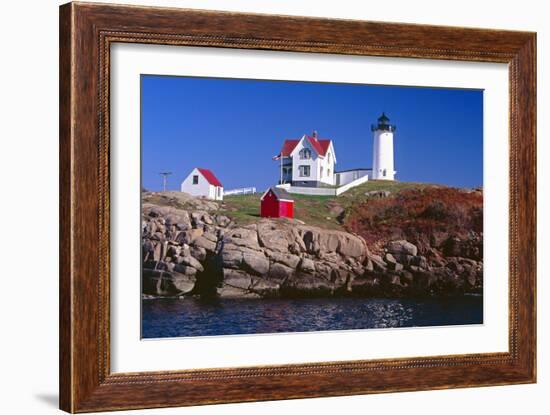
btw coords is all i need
(305, 154)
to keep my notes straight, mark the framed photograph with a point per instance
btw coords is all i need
(259, 207)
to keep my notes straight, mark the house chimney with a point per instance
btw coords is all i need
(314, 133)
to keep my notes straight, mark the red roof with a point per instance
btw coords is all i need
(325, 144)
(288, 146)
(210, 177)
(320, 146)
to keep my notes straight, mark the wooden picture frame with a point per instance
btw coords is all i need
(86, 33)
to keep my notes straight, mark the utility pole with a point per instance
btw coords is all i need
(164, 175)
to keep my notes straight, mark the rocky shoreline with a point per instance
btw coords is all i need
(198, 252)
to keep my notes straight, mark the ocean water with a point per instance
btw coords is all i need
(194, 317)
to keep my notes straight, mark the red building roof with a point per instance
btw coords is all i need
(324, 144)
(320, 146)
(280, 194)
(210, 177)
(288, 146)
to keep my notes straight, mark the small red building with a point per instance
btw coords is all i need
(276, 203)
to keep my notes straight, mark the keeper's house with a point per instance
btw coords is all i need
(276, 203)
(307, 162)
(203, 183)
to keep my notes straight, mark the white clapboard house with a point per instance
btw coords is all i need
(307, 162)
(203, 183)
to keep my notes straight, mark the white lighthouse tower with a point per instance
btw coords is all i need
(382, 151)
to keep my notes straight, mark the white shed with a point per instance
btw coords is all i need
(203, 183)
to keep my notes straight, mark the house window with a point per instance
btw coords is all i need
(328, 172)
(219, 192)
(304, 171)
(321, 174)
(384, 173)
(305, 154)
(195, 179)
(329, 158)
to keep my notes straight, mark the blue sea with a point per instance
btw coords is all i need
(195, 317)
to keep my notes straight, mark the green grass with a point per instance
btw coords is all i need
(243, 209)
(357, 194)
(313, 210)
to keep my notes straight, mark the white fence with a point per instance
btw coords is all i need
(241, 191)
(360, 180)
(344, 177)
(323, 191)
(311, 191)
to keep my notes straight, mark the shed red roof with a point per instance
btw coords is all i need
(320, 146)
(280, 194)
(210, 177)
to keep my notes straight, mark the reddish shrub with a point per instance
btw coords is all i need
(416, 214)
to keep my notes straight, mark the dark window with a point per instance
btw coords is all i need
(195, 179)
(304, 171)
(305, 153)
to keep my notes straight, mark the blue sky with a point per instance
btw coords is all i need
(235, 127)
